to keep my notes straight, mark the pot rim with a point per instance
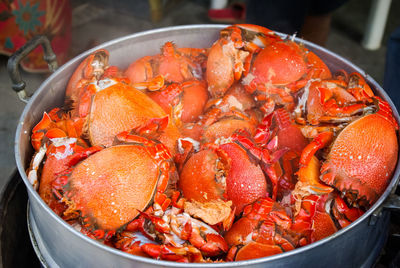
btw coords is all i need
(122, 254)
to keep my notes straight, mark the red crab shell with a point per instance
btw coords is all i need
(51, 168)
(173, 64)
(192, 95)
(279, 64)
(243, 182)
(263, 230)
(197, 179)
(121, 107)
(91, 67)
(362, 159)
(111, 195)
(319, 68)
(226, 127)
(219, 65)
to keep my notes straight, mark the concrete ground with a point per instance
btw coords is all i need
(98, 23)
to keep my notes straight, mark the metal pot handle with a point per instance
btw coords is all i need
(18, 85)
(392, 202)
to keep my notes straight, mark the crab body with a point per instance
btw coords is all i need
(362, 168)
(219, 173)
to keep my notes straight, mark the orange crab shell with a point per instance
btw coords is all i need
(51, 167)
(197, 179)
(224, 128)
(87, 69)
(195, 96)
(230, 56)
(242, 182)
(321, 92)
(175, 65)
(362, 159)
(193, 99)
(121, 107)
(319, 68)
(258, 231)
(240, 230)
(280, 63)
(172, 65)
(220, 69)
(111, 195)
(323, 226)
(255, 250)
(140, 70)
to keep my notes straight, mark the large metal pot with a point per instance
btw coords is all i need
(356, 245)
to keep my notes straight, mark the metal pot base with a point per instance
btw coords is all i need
(43, 255)
(376, 251)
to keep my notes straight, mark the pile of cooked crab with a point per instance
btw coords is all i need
(246, 149)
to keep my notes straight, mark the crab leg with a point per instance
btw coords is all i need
(309, 164)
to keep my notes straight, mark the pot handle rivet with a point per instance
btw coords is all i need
(392, 202)
(18, 85)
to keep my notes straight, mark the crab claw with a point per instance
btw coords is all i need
(358, 87)
(319, 142)
(171, 253)
(211, 245)
(38, 132)
(55, 124)
(309, 178)
(255, 250)
(263, 230)
(230, 55)
(91, 68)
(309, 168)
(343, 213)
(223, 172)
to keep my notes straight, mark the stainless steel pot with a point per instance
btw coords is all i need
(61, 245)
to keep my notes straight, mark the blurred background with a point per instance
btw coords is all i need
(350, 32)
